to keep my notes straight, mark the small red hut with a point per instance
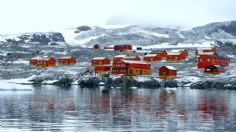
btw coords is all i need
(207, 60)
(46, 62)
(214, 69)
(126, 47)
(152, 57)
(67, 60)
(167, 72)
(100, 61)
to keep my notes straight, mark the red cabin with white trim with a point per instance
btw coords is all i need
(67, 60)
(132, 58)
(177, 55)
(152, 57)
(118, 57)
(100, 61)
(46, 62)
(167, 72)
(161, 53)
(207, 60)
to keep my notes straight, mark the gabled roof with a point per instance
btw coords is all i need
(119, 56)
(134, 62)
(37, 58)
(131, 57)
(151, 55)
(170, 67)
(173, 53)
(99, 58)
(66, 57)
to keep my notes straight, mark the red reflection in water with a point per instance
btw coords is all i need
(212, 107)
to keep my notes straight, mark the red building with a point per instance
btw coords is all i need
(100, 61)
(131, 68)
(127, 47)
(214, 69)
(67, 60)
(133, 58)
(34, 61)
(152, 57)
(118, 57)
(46, 62)
(207, 60)
(167, 72)
(161, 53)
(177, 55)
(205, 51)
(102, 69)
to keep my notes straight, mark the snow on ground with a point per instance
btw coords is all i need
(180, 35)
(21, 61)
(179, 45)
(142, 78)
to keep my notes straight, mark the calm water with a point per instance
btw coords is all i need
(50, 108)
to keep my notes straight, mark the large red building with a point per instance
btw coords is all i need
(167, 72)
(102, 69)
(126, 47)
(67, 60)
(131, 68)
(152, 57)
(207, 60)
(100, 61)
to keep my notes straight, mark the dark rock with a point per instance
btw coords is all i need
(171, 84)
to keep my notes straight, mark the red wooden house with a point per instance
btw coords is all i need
(177, 55)
(162, 53)
(67, 60)
(152, 57)
(133, 58)
(131, 68)
(214, 69)
(102, 69)
(205, 51)
(46, 62)
(126, 47)
(167, 72)
(100, 61)
(207, 60)
(34, 61)
(118, 57)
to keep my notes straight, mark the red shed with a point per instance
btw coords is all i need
(67, 60)
(167, 72)
(214, 69)
(126, 47)
(152, 57)
(131, 68)
(102, 69)
(205, 51)
(100, 61)
(207, 60)
(46, 62)
(133, 58)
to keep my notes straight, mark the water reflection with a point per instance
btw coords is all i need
(50, 108)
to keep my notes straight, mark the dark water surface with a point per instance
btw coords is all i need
(50, 108)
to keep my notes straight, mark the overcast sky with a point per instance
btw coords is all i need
(50, 15)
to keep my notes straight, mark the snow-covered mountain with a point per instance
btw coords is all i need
(87, 36)
(46, 38)
(143, 36)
